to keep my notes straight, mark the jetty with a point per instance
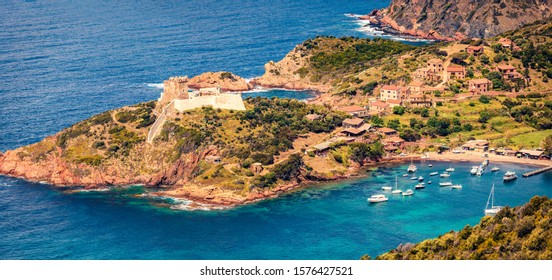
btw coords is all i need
(538, 171)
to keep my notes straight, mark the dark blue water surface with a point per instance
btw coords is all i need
(65, 61)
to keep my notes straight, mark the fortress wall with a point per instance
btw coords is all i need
(222, 101)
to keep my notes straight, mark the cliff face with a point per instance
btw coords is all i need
(446, 20)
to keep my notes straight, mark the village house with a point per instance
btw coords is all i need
(389, 92)
(431, 71)
(476, 145)
(355, 111)
(508, 72)
(456, 72)
(475, 50)
(393, 143)
(352, 123)
(257, 167)
(479, 86)
(425, 74)
(386, 132)
(505, 42)
(353, 132)
(506, 152)
(419, 100)
(378, 107)
(533, 154)
(394, 103)
(436, 65)
(415, 87)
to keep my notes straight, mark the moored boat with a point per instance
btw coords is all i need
(473, 170)
(444, 175)
(408, 192)
(509, 176)
(492, 210)
(420, 186)
(377, 198)
(396, 190)
(495, 169)
(457, 186)
(445, 184)
(433, 173)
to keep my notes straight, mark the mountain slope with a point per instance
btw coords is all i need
(523, 232)
(444, 19)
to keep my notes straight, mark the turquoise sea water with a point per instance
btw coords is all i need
(328, 221)
(63, 61)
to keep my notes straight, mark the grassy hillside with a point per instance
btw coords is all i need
(521, 122)
(523, 232)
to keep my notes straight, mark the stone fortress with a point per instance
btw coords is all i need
(177, 97)
(175, 90)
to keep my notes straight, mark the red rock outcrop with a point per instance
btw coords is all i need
(225, 80)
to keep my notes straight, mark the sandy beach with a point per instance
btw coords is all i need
(479, 157)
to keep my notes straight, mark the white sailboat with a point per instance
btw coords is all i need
(412, 168)
(396, 190)
(444, 175)
(493, 210)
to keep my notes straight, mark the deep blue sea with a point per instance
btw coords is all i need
(64, 61)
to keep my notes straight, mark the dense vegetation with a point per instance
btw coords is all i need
(523, 232)
(536, 43)
(109, 137)
(348, 53)
(267, 128)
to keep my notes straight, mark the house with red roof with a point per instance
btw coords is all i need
(455, 72)
(479, 86)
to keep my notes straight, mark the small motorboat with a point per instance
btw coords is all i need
(457, 186)
(387, 188)
(377, 198)
(414, 178)
(509, 176)
(495, 169)
(473, 170)
(428, 182)
(433, 173)
(408, 192)
(430, 165)
(420, 186)
(445, 184)
(444, 175)
(420, 179)
(450, 169)
(405, 175)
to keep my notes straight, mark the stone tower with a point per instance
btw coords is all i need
(174, 88)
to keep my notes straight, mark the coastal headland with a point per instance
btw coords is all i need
(378, 99)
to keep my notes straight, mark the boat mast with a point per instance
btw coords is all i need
(491, 198)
